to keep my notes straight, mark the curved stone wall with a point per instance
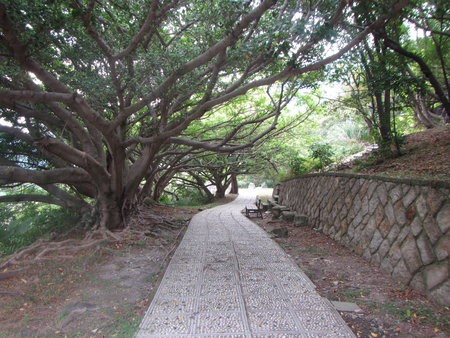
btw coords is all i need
(400, 225)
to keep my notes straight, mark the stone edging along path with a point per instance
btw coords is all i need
(402, 225)
(227, 278)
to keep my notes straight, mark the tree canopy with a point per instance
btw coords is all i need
(96, 97)
(400, 67)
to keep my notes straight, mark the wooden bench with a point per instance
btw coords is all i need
(252, 210)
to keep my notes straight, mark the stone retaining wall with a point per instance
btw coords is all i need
(400, 225)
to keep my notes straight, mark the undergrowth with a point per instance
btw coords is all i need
(24, 223)
(416, 312)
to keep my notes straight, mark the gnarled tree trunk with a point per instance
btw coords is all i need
(110, 212)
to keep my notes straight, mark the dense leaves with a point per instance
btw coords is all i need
(399, 70)
(101, 100)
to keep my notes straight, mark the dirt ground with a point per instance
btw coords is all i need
(103, 292)
(425, 155)
(389, 309)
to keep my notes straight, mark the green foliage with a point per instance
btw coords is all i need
(191, 201)
(346, 136)
(183, 196)
(322, 152)
(328, 136)
(356, 131)
(298, 166)
(164, 199)
(24, 223)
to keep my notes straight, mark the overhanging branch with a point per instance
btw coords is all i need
(30, 198)
(10, 175)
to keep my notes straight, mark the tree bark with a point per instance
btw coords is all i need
(202, 186)
(421, 111)
(220, 192)
(110, 212)
(395, 46)
(234, 184)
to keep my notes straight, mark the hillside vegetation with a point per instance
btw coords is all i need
(425, 155)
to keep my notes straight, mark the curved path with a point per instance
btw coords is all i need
(227, 278)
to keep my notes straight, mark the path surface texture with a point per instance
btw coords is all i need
(227, 278)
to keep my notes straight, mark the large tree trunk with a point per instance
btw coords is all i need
(384, 119)
(110, 212)
(161, 184)
(220, 190)
(234, 184)
(146, 189)
(157, 191)
(376, 93)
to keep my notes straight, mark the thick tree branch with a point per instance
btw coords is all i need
(12, 96)
(16, 133)
(10, 175)
(199, 60)
(30, 198)
(395, 46)
(20, 53)
(74, 156)
(148, 25)
(68, 200)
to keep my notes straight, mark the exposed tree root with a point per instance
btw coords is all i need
(145, 219)
(10, 274)
(58, 248)
(103, 234)
(44, 250)
(143, 223)
(13, 293)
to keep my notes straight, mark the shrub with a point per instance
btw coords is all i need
(356, 131)
(322, 152)
(298, 165)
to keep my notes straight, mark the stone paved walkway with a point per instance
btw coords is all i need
(229, 279)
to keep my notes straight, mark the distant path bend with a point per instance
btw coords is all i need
(227, 278)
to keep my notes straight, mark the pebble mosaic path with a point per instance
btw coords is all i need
(227, 278)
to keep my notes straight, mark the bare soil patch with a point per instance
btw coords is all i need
(102, 291)
(389, 309)
(426, 155)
